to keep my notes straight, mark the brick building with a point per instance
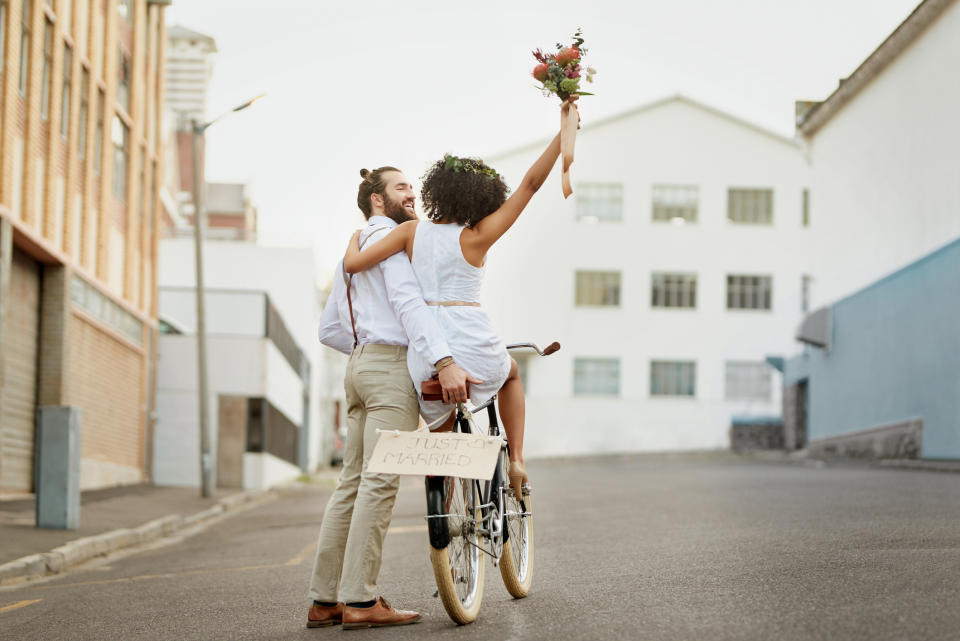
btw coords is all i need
(81, 84)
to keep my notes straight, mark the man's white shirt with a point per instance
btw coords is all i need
(388, 304)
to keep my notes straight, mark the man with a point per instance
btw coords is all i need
(373, 317)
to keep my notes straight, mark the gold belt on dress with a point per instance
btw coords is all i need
(452, 303)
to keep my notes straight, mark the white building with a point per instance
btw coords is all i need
(188, 69)
(883, 149)
(674, 269)
(885, 224)
(246, 356)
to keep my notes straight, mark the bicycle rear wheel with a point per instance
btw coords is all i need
(457, 564)
(516, 563)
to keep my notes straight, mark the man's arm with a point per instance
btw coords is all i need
(332, 332)
(422, 331)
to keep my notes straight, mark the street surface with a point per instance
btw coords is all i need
(645, 547)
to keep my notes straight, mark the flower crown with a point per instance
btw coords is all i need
(458, 164)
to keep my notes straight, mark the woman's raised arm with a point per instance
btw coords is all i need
(490, 229)
(396, 241)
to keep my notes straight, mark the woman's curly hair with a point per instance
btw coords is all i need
(462, 190)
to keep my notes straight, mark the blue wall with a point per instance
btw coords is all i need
(895, 355)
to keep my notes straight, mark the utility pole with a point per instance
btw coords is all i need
(199, 222)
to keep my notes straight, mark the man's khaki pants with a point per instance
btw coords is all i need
(379, 395)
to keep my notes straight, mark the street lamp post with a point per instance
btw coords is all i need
(197, 130)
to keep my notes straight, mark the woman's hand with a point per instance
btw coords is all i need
(572, 102)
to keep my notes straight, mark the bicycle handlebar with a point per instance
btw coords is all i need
(546, 351)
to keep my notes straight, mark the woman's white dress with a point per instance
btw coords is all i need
(446, 276)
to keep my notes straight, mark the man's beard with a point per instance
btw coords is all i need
(394, 210)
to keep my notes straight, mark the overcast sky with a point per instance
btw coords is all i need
(363, 84)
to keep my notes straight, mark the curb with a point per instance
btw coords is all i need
(920, 464)
(79, 550)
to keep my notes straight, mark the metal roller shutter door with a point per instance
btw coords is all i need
(20, 396)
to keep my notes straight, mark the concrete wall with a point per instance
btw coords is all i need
(885, 181)
(262, 470)
(289, 276)
(529, 288)
(894, 358)
(236, 366)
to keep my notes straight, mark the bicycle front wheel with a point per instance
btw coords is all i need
(453, 505)
(516, 563)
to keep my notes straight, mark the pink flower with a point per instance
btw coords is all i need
(572, 72)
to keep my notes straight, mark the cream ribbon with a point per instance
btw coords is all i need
(569, 122)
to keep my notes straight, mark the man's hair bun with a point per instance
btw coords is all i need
(364, 173)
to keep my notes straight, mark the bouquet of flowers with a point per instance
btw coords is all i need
(559, 73)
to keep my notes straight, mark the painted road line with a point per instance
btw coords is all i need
(407, 529)
(302, 554)
(18, 605)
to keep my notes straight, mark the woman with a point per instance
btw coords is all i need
(468, 211)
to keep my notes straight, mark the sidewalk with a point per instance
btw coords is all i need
(100, 511)
(110, 519)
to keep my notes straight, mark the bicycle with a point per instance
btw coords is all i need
(467, 519)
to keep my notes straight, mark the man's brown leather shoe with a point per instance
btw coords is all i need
(320, 616)
(378, 615)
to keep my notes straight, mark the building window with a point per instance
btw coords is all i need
(98, 135)
(24, 46)
(65, 96)
(673, 203)
(750, 206)
(749, 292)
(596, 376)
(673, 290)
(748, 381)
(805, 293)
(123, 80)
(600, 202)
(121, 157)
(598, 288)
(143, 185)
(45, 87)
(805, 207)
(673, 378)
(84, 108)
(91, 301)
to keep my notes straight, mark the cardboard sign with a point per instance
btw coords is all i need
(468, 456)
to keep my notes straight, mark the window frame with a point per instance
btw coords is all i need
(582, 362)
(120, 137)
(763, 288)
(23, 81)
(84, 114)
(754, 218)
(65, 91)
(583, 201)
(582, 275)
(686, 369)
(668, 217)
(46, 78)
(755, 366)
(663, 301)
(98, 134)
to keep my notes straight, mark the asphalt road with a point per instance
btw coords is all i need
(685, 547)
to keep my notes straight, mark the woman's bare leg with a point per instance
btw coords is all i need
(513, 414)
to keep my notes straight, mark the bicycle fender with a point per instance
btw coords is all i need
(437, 528)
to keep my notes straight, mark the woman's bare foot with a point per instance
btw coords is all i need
(518, 476)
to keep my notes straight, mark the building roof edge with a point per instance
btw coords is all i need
(649, 106)
(902, 37)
